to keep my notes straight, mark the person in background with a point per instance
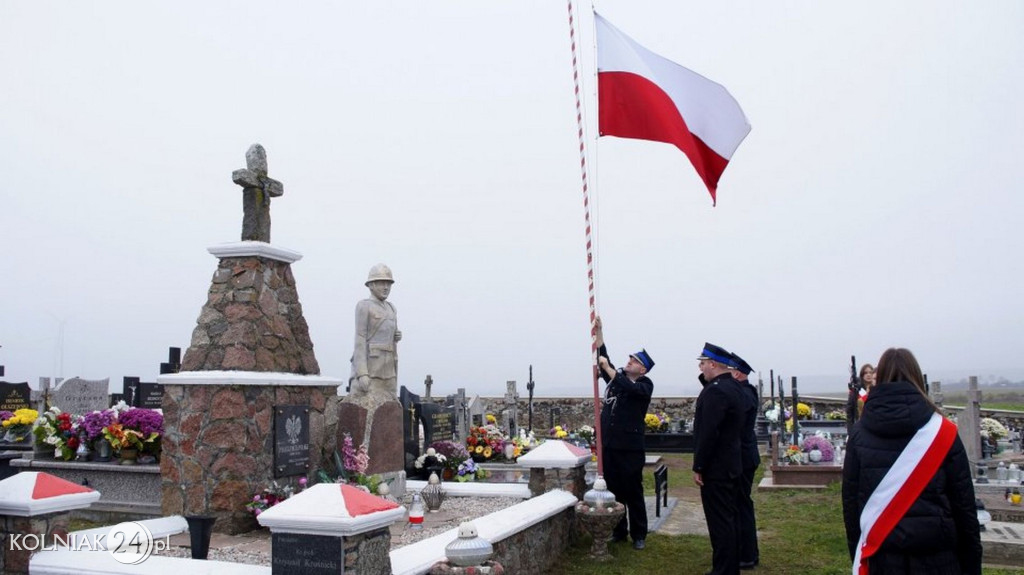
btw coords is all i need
(627, 397)
(750, 458)
(717, 462)
(908, 498)
(858, 393)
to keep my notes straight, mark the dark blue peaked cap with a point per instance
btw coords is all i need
(644, 358)
(741, 364)
(715, 353)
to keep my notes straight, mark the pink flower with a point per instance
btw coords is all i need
(257, 511)
(303, 481)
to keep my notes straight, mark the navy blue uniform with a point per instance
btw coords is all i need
(622, 438)
(718, 420)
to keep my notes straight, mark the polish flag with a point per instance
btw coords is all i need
(642, 95)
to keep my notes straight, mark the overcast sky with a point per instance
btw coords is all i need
(876, 202)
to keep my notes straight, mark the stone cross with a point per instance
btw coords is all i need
(427, 383)
(511, 397)
(257, 189)
(461, 415)
(970, 425)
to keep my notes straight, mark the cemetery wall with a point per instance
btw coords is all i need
(218, 448)
(578, 411)
(537, 548)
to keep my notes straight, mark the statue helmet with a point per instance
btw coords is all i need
(380, 272)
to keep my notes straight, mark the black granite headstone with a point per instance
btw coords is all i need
(173, 364)
(150, 396)
(130, 390)
(14, 396)
(410, 427)
(293, 554)
(291, 440)
(438, 422)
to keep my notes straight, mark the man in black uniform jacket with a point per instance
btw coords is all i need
(717, 465)
(750, 458)
(626, 399)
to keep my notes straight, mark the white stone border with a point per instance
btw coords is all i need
(247, 378)
(475, 488)
(251, 248)
(417, 558)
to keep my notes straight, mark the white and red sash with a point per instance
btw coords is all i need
(901, 486)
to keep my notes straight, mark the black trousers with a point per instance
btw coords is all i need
(718, 497)
(745, 515)
(624, 473)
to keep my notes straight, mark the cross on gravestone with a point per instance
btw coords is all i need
(970, 427)
(461, 415)
(257, 189)
(511, 413)
(529, 404)
(427, 383)
(173, 364)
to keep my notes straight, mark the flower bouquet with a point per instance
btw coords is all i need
(558, 432)
(656, 422)
(350, 467)
(485, 443)
(17, 426)
(148, 423)
(58, 431)
(992, 431)
(469, 471)
(454, 454)
(271, 496)
(793, 455)
(821, 444)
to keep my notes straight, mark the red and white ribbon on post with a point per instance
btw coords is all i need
(901, 486)
(590, 242)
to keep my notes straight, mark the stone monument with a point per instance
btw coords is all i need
(248, 406)
(371, 413)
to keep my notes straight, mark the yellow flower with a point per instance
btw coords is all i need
(479, 449)
(491, 419)
(488, 452)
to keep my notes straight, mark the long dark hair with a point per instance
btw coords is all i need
(898, 364)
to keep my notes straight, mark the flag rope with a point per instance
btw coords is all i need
(589, 234)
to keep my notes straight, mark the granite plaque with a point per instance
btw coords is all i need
(291, 440)
(293, 554)
(150, 396)
(438, 423)
(14, 396)
(80, 396)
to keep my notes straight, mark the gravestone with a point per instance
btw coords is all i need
(477, 411)
(937, 395)
(511, 411)
(291, 440)
(130, 390)
(438, 422)
(969, 423)
(15, 396)
(150, 395)
(80, 396)
(410, 427)
(308, 554)
(173, 364)
(461, 415)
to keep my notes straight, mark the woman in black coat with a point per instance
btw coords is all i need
(939, 534)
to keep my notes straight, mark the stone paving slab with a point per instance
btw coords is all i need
(1003, 544)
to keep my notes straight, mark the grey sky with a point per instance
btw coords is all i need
(876, 202)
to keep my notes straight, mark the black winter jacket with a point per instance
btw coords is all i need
(939, 533)
(624, 409)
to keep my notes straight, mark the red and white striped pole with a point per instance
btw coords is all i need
(590, 243)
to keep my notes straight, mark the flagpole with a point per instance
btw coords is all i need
(589, 235)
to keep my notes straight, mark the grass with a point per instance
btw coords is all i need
(800, 532)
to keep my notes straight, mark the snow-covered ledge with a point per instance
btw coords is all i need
(247, 378)
(251, 248)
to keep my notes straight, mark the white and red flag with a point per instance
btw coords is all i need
(645, 96)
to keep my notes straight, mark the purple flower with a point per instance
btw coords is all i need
(821, 444)
(146, 421)
(5, 415)
(303, 481)
(93, 423)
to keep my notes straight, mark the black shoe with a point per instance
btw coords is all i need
(639, 544)
(748, 564)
